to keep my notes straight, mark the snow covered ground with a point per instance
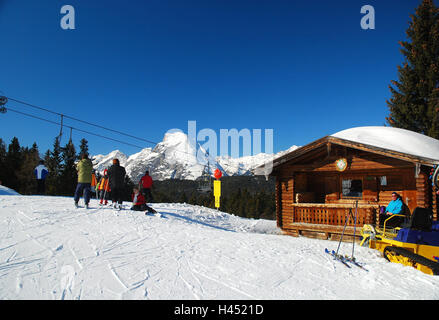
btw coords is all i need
(50, 250)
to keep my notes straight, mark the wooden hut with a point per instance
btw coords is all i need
(317, 184)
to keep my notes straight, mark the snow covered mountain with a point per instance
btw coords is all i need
(174, 158)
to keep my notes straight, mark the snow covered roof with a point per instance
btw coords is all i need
(393, 142)
(393, 139)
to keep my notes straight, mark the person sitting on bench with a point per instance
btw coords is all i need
(396, 206)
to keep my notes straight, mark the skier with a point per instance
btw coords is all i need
(146, 184)
(103, 189)
(41, 172)
(139, 203)
(116, 175)
(84, 167)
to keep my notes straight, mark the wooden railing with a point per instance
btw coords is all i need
(332, 214)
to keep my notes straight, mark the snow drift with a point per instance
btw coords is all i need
(5, 191)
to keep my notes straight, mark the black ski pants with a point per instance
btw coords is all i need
(41, 186)
(117, 195)
(147, 194)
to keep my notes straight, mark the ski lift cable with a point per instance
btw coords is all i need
(77, 129)
(79, 120)
(73, 128)
(209, 157)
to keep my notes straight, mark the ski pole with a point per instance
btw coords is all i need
(345, 223)
(355, 224)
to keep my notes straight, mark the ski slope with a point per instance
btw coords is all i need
(50, 250)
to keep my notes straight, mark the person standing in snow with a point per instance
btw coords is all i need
(103, 189)
(116, 175)
(41, 172)
(396, 206)
(84, 168)
(94, 182)
(146, 184)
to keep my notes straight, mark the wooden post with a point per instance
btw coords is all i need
(422, 190)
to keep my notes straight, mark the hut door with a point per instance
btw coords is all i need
(331, 189)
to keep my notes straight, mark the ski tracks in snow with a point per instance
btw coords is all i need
(51, 250)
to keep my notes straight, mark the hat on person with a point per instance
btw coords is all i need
(115, 161)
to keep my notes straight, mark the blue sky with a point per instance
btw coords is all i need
(305, 69)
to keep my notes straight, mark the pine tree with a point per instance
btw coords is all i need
(25, 174)
(53, 161)
(414, 104)
(2, 162)
(69, 175)
(83, 148)
(13, 162)
(183, 198)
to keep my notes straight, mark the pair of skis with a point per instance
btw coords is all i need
(345, 259)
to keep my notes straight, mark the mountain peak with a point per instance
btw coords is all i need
(176, 158)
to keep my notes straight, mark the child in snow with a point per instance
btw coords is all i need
(103, 188)
(139, 203)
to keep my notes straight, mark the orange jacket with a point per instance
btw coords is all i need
(103, 184)
(94, 182)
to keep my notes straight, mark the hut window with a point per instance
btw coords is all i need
(352, 188)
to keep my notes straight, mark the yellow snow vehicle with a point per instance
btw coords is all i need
(416, 244)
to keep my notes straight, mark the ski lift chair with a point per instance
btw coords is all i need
(205, 184)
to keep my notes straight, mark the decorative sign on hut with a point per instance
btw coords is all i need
(341, 164)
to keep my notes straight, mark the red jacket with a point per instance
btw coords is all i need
(146, 181)
(140, 199)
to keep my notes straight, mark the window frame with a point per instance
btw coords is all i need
(361, 178)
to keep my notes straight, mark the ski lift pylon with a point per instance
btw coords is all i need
(3, 101)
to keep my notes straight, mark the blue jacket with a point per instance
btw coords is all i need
(41, 172)
(395, 206)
